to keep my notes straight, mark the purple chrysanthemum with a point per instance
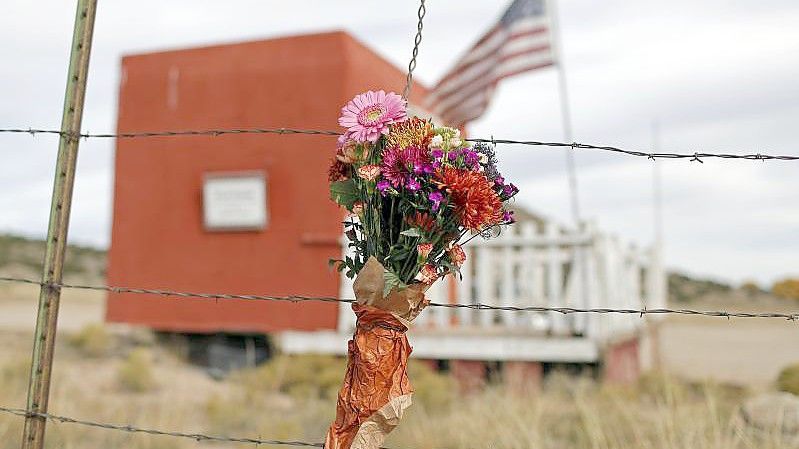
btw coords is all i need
(399, 163)
(383, 186)
(435, 200)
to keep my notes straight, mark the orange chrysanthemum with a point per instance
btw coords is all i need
(477, 204)
(411, 132)
(422, 221)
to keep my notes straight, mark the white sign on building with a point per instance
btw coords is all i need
(235, 201)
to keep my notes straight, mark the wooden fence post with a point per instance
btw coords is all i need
(50, 293)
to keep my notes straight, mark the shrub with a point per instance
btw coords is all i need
(786, 288)
(136, 372)
(230, 415)
(306, 376)
(750, 288)
(320, 377)
(788, 380)
(93, 340)
(431, 389)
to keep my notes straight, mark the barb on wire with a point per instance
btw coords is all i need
(416, 41)
(476, 306)
(696, 156)
(132, 429)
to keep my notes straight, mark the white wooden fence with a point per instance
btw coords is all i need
(533, 263)
(541, 265)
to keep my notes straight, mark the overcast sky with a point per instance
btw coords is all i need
(716, 75)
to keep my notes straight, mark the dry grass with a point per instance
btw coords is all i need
(788, 380)
(292, 398)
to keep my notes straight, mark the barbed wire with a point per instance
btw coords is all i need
(132, 429)
(475, 306)
(695, 156)
(416, 41)
(193, 132)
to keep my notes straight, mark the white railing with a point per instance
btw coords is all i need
(542, 264)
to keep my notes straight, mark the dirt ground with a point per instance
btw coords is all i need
(745, 351)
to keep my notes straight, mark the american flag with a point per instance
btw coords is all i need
(520, 42)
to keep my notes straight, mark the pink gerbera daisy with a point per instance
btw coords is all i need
(368, 115)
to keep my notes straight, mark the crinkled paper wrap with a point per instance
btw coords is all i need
(376, 389)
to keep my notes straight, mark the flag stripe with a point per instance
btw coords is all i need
(534, 56)
(519, 42)
(513, 68)
(513, 43)
(498, 39)
(463, 83)
(451, 113)
(468, 112)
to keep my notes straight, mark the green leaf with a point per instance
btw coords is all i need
(451, 267)
(398, 254)
(413, 232)
(391, 281)
(344, 192)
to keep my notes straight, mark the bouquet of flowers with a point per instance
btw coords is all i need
(416, 192)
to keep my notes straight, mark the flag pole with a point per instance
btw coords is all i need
(565, 111)
(580, 256)
(657, 210)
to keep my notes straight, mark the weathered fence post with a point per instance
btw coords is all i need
(50, 293)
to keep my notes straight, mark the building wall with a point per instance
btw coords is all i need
(158, 238)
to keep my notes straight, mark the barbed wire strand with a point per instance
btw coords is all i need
(132, 429)
(193, 132)
(696, 156)
(475, 306)
(416, 41)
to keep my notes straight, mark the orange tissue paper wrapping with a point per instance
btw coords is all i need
(376, 389)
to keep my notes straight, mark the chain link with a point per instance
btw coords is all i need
(416, 41)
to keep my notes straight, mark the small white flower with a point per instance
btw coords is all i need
(457, 132)
(436, 141)
(483, 158)
(455, 142)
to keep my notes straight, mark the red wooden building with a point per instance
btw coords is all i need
(242, 213)
(250, 214)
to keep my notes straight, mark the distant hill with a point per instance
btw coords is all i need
(22, 257)
(684, 288)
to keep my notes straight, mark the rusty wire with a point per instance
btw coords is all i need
(132, 429)
(695, 156)
(476, 306)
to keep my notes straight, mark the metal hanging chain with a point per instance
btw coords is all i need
(697, 156)
(131, 429)
(477, 306)
(416, 41)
